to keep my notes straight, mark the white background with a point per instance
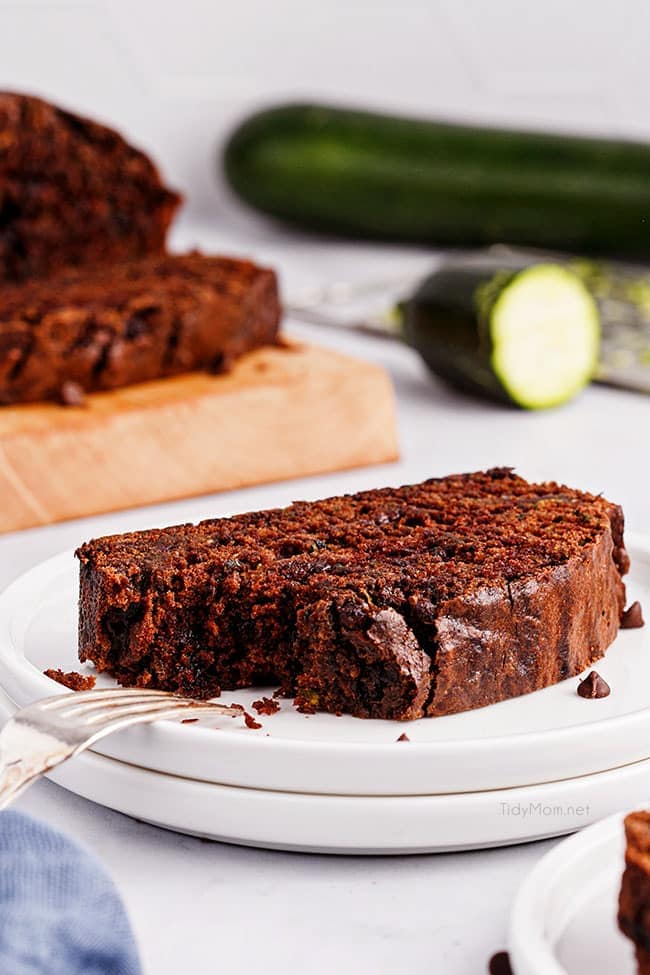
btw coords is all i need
(174, 77)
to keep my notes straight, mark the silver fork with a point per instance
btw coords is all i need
(43, 735)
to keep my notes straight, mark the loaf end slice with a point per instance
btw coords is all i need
(73, 192)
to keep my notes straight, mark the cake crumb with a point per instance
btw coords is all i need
(267, 706)
(73, 679)
(189, 720)
(403, 737)
(249, 720)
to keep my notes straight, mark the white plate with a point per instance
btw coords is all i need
(356, 825)
(564, 917)
(550, 735)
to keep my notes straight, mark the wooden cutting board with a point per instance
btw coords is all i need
(280, 413)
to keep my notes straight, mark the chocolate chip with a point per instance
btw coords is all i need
(72, 394)
(593, 686)
(403, 737)
(632, 618)
(500, 964)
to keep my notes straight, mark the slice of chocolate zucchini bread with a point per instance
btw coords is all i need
(73, 192)
(105, 327)
(394, 603)
(634, 900)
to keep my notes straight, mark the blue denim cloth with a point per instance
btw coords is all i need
(59, 912)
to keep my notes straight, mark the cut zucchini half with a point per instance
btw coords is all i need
(528, 336)
(545, 336)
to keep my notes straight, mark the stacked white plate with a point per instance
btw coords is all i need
(542, 765)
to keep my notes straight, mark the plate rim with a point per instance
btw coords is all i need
(88, 771)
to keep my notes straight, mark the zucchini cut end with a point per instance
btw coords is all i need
(545, 336)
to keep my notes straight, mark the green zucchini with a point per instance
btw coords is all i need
(529, 337)
(383, 177)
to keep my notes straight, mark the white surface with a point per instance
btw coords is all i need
(543, 737)
(564, 917)
(365, 825)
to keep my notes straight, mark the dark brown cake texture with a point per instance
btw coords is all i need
(394, 603)
(73, 192)
(634, 901)
(107, 327)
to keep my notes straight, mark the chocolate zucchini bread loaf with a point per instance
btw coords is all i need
(73, 192)
(634, 901)
(106, 327)
(393, 603)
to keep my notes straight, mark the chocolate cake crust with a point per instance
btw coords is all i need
(108, 327)
(73, 192)
(396, 603)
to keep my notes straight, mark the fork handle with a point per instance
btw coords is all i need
(16, 775)
(13, 779)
